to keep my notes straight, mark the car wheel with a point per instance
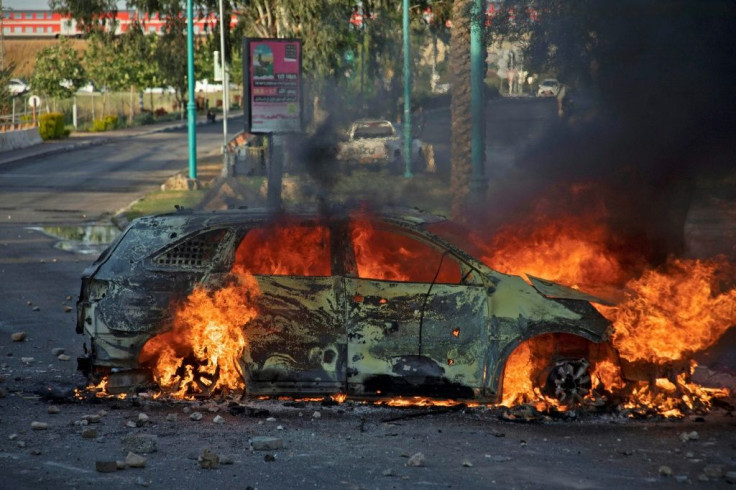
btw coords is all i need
(568, 381)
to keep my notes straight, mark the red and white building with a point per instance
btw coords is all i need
(48, 24)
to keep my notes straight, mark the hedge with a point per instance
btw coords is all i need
(51, 126)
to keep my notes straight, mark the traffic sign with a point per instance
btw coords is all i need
(34, 101)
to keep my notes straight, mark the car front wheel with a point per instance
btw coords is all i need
(569, 381)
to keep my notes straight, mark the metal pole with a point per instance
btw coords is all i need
(478, 183)
(407, 94)
(191, 105)
(225, 81)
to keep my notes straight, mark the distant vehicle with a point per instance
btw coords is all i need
(88, 88)
(372, 143)
(548, 88)
(16, 86)
(159, 90)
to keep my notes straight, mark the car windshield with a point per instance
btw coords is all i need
(549, 83)
(373, 130)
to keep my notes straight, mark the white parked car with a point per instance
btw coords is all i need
(548, 88)
(17, 86)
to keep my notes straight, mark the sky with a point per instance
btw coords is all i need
(26, 4)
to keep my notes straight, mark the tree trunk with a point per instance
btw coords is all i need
(461, 122)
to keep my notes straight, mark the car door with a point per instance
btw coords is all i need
(296, 344)
(416, 316)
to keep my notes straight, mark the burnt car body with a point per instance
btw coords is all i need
(431, 320)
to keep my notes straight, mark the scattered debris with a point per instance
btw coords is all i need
(713, 470)
(39, 425)
(64, 357)
(269, 458)
(196, 416)
(417, 460)
(143, 419)
(316, 415)
(140, 443)
(57, 351)
(106, 466)
(266, 443)
(53, 409)
(218, 420)
(89, 433)
(172, 417)
(208, 460)
(665, 470)
(689, 436)
(134, 460)
(467, 464)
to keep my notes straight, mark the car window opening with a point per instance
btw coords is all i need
(391, 256)
(284, 250)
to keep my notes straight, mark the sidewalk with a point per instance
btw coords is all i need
(83, 140)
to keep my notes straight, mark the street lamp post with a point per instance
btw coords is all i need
(225, 81)
(191, 105)
(407, 94)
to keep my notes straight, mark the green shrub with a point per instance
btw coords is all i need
(51, 126)
(106, 124)
(143, 118)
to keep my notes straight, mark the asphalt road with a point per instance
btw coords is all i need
(346, 446)
(89, 183)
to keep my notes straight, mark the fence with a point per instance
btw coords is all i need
(96, 105)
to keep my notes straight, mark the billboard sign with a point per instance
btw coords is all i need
(272, 84)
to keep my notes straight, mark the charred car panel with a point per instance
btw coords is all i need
(337, 331)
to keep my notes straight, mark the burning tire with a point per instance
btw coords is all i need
(568, 381)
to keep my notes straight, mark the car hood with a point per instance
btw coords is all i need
(558, 291)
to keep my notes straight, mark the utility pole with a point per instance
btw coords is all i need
(407, 94)
(225, 81)
(2, 36)
(191, 106)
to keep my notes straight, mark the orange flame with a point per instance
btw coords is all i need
(672, 312)
(284, 249)
(202, 351)
(668, 313)
(389, 256)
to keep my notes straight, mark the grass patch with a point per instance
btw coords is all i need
(164, 202)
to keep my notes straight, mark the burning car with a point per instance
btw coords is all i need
(356, 303)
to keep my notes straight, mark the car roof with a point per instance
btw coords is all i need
(397, 214)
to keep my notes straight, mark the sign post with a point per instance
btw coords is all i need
(34, 101)
(272, 73)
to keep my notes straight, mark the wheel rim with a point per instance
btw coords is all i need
(569, 381)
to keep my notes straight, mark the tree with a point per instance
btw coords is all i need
(138, 52)
(460, 112)
(91, 15)
(6, 98)
(171, 55)
(59, 72)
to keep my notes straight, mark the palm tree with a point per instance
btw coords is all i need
(461, 123)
